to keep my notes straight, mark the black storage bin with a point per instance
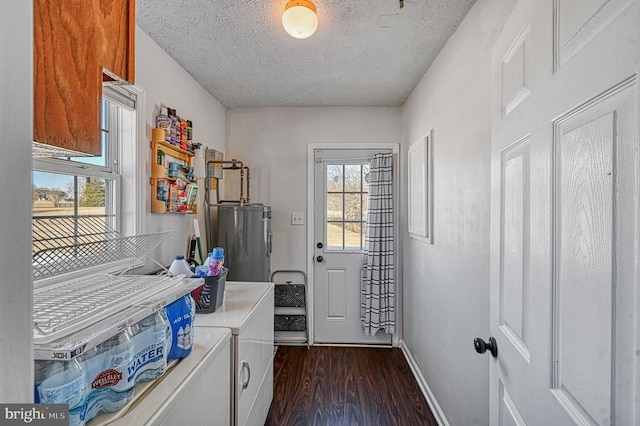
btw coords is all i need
(209, 297)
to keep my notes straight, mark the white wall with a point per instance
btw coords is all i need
(167, 84)
(446, 285)
(16, 122)
(273, 143)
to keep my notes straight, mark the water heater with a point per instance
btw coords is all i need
(244, 231)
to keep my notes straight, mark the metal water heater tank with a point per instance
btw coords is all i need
(244, 231)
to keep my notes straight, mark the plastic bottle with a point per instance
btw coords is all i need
(181, 314)
(174, 129)
(183, 134)
(163, 121)
(202, 270)
(163, 190)
(173, 169)
(151, 339)
(216, 261)
(179, 266)
(106, 367)
(206, 261)
(59, 382)
(161, 158)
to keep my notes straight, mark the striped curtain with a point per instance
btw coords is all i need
(377, 308)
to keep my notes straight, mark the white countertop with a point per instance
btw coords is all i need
(240, 299)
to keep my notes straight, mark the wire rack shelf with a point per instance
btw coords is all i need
(73, 315)
(76, 315)
(71, 243)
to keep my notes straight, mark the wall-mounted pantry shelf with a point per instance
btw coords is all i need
(77, 315)
(171, 193)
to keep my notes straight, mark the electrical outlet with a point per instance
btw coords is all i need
(297, 218)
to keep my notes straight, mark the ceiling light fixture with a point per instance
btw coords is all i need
(299, 18)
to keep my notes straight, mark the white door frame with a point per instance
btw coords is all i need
(395, 150)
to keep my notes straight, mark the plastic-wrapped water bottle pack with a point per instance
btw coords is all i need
(103, 378)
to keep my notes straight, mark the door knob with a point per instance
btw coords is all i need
(319, 259)
(482, 346)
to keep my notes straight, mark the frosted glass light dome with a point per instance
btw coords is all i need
(299, 19)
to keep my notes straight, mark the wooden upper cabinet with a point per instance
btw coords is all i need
(116, 38)
(74, 42)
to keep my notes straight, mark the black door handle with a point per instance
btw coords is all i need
(319, 259)
(319, 245)
(482, 346)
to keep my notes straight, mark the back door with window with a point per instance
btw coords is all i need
(341, 192)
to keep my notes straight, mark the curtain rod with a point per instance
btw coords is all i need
(320, 160)
(370, 158)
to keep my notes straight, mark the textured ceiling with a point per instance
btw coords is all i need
(364, 53)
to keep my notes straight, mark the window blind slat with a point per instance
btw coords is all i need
(119, 95)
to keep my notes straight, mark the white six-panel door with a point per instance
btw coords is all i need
(564, 214)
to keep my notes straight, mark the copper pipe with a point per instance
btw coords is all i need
(237, 165)
(248, 187)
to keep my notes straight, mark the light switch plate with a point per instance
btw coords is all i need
(297, 218)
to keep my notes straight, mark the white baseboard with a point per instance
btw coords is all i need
(424, 387)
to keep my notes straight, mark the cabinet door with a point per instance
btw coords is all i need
(67, 77)
(73, 42)
(116, 38)
(205, 399)
(254, 356)
(261, 405)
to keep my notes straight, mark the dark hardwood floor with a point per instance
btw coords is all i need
(345, 386)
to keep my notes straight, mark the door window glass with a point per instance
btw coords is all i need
(346, 206)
